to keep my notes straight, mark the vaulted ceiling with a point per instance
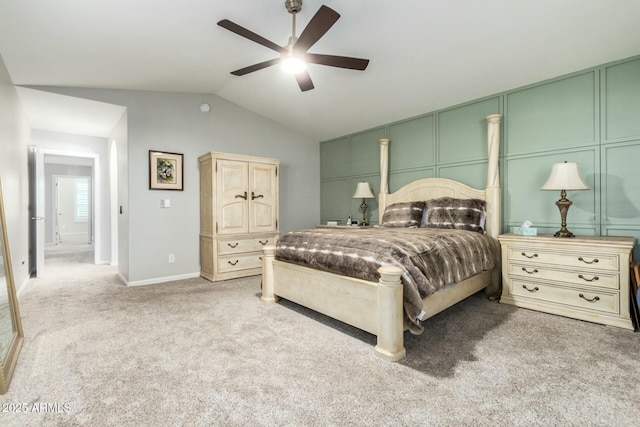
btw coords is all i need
(425, 54)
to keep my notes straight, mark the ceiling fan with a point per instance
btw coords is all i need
(294, 55)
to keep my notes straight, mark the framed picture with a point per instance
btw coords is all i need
(165, 170)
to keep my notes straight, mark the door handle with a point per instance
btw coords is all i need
(253, 196)
(38, 218)
(241, 196)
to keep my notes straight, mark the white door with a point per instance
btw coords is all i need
(36, 211)
(263, 198)
(72, 210)
(232, 193)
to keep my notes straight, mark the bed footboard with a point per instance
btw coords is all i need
(376, 308)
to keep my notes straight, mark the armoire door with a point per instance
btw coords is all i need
(263, 198)
(232, 192)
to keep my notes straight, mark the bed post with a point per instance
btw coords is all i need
(268, 255)
(384, 177)
(390, 345)
(494, 195)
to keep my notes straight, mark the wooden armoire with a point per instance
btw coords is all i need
(238, 213)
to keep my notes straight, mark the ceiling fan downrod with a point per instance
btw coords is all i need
(293, 6)
(292, 63)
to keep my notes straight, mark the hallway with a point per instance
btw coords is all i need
(65, 261)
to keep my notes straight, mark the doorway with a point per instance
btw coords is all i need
(65, 208)
(72, 213)
(72, 221)
(72, 127)
(69, 202)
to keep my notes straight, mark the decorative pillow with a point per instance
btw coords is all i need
(463, 214)
(406, 214)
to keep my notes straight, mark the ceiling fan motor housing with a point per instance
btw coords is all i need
(293, 6)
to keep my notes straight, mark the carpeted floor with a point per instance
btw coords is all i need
(199, 353)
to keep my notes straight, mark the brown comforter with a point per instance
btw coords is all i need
(430, 258)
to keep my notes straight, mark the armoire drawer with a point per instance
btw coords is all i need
(607, 302)
(239, 245)
(581, 277)
(236, 262)
(582, 259)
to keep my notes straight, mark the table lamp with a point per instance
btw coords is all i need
(563, 177)
(363, 191)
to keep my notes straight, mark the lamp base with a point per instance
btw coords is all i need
(563, 204)
(363, 208)
(564, 233)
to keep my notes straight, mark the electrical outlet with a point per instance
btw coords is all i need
(172, 258)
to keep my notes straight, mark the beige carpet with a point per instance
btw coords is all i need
(198, 353)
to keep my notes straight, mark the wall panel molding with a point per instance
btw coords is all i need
(590, 116)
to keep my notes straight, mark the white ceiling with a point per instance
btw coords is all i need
(67, 114)
(425, 54)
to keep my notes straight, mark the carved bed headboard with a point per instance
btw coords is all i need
(432, 188)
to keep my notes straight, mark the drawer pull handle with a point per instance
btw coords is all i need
(531, 290)
(534, 271)
(594, 299)
(232, 246)
(263, 243)
(233, 263)
(529, 256)
(595, 260)
(593, 279)
(242, 196)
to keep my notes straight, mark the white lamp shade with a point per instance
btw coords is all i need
(363, 191)
(565, 176)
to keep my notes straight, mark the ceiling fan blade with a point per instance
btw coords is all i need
(324, 19)
(337, 61)
(304, 81)
(255, 67)
(247, 34)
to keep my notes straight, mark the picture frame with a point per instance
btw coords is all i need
(166, 170)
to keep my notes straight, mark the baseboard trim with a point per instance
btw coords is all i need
(158, 279)
(22, 288)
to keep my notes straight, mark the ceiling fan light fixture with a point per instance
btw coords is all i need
(293, 65)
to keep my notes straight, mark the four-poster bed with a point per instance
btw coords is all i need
(378, 306)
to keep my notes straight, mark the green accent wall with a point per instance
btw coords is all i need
(591, 117)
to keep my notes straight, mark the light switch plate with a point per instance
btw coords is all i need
(165, 203)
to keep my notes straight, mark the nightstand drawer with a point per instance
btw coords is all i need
(584, 260)
(577, 277)
(604, 302)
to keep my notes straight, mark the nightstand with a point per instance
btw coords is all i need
(586, 277)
